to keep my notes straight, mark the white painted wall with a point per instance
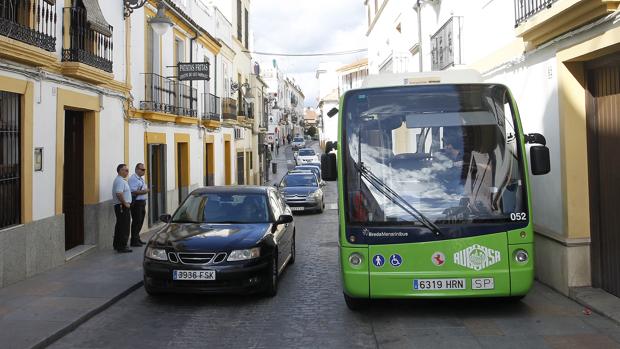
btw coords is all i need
(488, 26)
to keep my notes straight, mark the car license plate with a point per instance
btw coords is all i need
(297, 208)
(438, 284)
(199, 275)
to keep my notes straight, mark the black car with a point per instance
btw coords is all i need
(222, 240)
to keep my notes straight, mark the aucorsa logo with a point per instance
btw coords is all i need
(477, 257)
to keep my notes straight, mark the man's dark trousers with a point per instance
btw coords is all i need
(138, 211)
(121, 229)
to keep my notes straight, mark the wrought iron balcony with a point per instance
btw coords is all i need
(87, 45)
(169, 96)
(30, 21)
(229, 108)
(211, 109)
(525, 9)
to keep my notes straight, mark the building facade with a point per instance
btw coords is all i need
(560, 58)
(87, 85)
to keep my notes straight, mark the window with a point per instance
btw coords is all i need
(275, 205)
(239, 14)
(10, 159)
(247, 26)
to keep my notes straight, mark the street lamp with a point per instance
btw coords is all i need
(160, 23)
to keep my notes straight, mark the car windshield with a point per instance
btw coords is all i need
(299, 180)
(314, 170)
(296, 140)
(306, 152)
(223, 208)
(450, 151)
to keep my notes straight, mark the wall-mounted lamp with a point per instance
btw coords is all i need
(160, 23)
(234, 87)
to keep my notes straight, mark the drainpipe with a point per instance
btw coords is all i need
(191, 60)
(419, 12)
(215, 74)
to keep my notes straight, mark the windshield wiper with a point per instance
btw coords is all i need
(396, 198)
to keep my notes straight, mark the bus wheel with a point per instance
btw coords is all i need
(515, 299)
(355, 303)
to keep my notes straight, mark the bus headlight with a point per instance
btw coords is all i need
(521, 256)
(355, 259)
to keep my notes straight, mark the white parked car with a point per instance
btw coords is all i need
(307, 156)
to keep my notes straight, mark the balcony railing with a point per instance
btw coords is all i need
(87, 45)
(169, 96)
(229, 108)
(210, 107)
(30, 21)
(525, 9)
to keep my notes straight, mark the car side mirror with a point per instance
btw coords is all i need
(540, 160)
(284, 219)
(166, 218)
(322, 183)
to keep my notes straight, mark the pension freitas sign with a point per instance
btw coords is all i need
(193, 71)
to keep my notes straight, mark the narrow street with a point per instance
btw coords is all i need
(309, 312)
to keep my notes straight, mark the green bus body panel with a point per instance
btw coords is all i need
(511, 278)
(355, 280)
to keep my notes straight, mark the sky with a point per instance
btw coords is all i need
(308, 26)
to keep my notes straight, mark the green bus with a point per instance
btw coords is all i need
(433, 187)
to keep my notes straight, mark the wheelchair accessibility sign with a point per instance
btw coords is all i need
(396, 260)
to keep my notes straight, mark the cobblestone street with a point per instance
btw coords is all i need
(309, 312)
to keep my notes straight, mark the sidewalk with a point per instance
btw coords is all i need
(37, 311)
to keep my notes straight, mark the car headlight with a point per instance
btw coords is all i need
(156, 253)
(316, 194)
(242, 255)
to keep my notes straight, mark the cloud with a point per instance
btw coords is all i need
(316, 26)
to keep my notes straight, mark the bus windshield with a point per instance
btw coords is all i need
(451, 153)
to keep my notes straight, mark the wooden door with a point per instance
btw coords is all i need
(603, 118)
(156, 180)
(73, 179)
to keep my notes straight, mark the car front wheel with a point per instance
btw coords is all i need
(272, 283)
(291, 261)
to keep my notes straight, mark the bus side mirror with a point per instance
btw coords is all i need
(539, 154)
(539, 157)
(332, 112)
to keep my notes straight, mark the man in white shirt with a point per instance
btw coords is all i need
(121, 197)
(139, 193)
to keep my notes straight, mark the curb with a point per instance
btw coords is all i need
(601, 302)
(75, 324)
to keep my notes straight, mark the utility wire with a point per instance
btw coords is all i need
(338, 53)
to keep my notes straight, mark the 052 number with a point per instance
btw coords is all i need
(518, 216)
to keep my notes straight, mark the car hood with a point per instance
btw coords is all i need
(302, 191)
(209, 237)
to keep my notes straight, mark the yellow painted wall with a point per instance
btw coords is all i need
(572, 98)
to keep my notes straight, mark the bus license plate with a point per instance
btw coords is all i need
(438, 284)
(199, 275)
